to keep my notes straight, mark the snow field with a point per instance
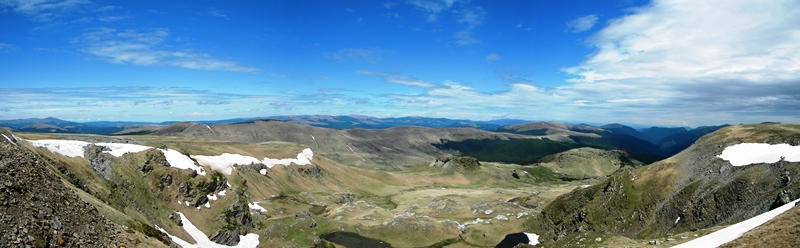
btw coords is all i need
(755, 153)
(202, 241)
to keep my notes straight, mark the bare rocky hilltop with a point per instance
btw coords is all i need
(39, 210)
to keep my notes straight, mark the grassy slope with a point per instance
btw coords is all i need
(644, 202)
(380, 196)
(586, 162)
(783, 231)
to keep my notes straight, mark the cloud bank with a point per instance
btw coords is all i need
(671, 62)
(148, 48)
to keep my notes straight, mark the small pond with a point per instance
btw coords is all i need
(513, 239)
(353, 240)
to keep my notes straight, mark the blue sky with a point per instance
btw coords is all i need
(675, 63)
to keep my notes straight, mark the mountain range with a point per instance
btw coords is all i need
(274, 183)
(648, 144)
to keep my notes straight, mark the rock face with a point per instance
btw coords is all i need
(154, 158)
(313, 171)
(456, 163)
(238, 221)
(101, 161)
(39, 211)
(342, 197)
(196, 189)
(691, 190)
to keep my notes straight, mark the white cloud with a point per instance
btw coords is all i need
(107, 8)
(582, 23)
(734, 40)
(368, 55)
(471, 16)
(399, 79)
(42, 10)
(492, 57)
(144, 48)
(112, 18)
(215, 12)
(433, 6)
(6, 46)
(466, 37)
(733, 61)
(667, 63)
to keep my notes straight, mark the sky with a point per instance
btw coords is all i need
(661, 62)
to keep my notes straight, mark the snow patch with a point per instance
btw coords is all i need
(180, 161)
(678, 219)
(263, 171)
(224, 163)
(255, 206)
(9, 139)
(249, 240)
(735, 231)
(75, 148)
(207, 205)
(222, 193)
(212, 197)
(69, 148)
(119, 149)
(754, 153)
(533, 239)
(303, 158)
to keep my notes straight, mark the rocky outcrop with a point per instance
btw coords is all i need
(226, 237)
(100, 161)
(313, 171)
(154, 158)
(456, 163)
(37, 210)
(238, 221)
(196, 189)
(342, 197)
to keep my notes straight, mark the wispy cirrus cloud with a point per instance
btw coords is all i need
(367, 55)
(472, 17)
(127, 103)
(146, 48)
(42, 10)
(582, 23)
(492, 57)
(167, 104)
(461, 11)
(6, 47)
(215, 12)
(399, 79)
(432, 8)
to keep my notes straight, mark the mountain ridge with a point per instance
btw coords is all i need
(696, 190)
